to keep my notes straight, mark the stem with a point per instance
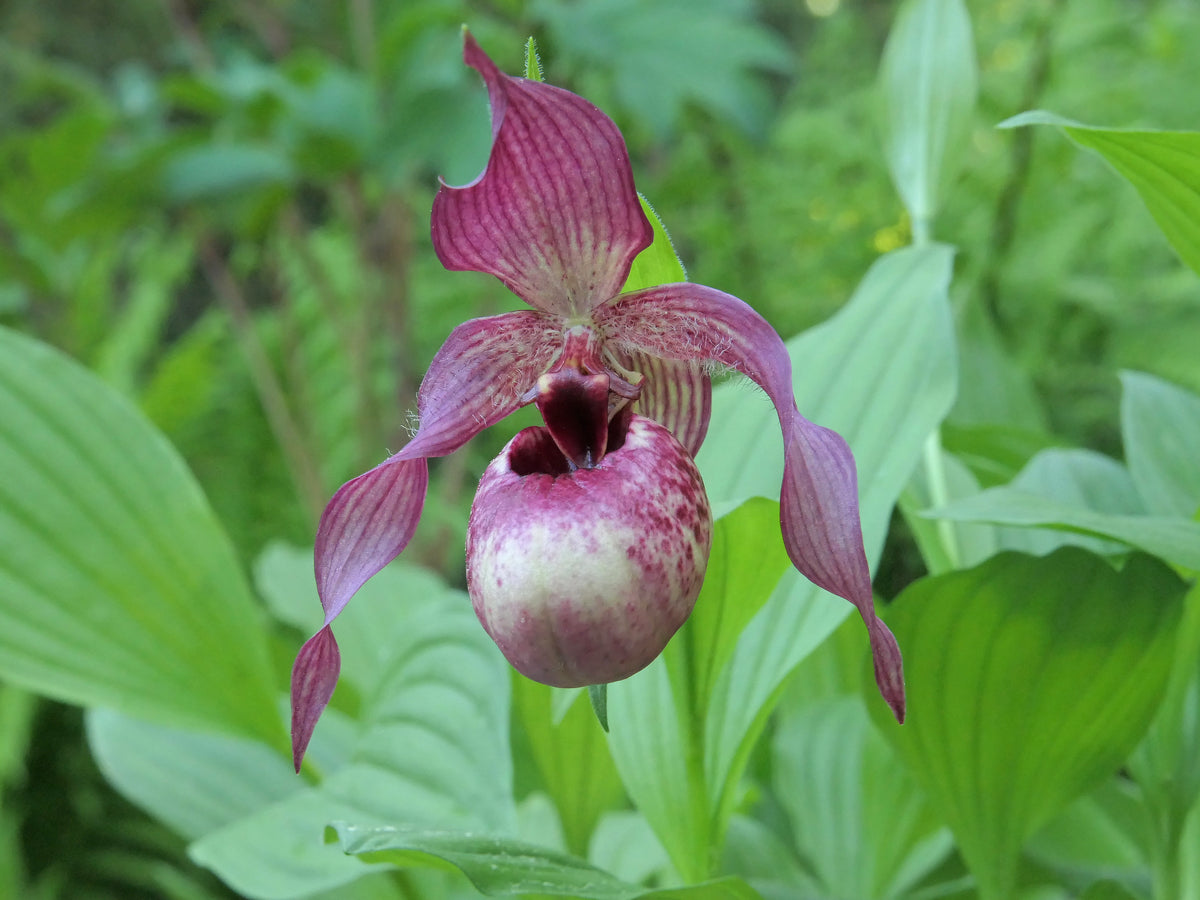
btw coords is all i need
(301, 465)
(921, 233)
(939, 494)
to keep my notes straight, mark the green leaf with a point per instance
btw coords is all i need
(194, 782)
(704, 52)
(1022, 692)
(928, 81)
(499, 866)
(1108, 890)
(1167, 764)
(1160, 427)
(658, 263)
(1025, 503)
(431, 746)
(733, 592)
(533, 63)
(572, 758)
(882, 373)
(1163, 166)
(118, 586)
(856, 816)
(212, 171)
(1093, 835)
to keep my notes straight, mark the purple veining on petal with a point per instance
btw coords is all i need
(819, 498)
(554, 215)
(314, 676)
(676, 393)
(481, 374)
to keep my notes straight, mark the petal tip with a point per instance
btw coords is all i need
(314, 677)
(889, 667)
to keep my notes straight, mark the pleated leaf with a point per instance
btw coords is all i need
(1160, 427)
(571, 755)
(857, 817)
(118, 586)
(499, 866)
(1163, 166)
(882, 373)
(1030, 679)
(430, 747)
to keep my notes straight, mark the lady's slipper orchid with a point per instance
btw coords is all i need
(555, 216)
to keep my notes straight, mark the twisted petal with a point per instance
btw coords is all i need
(819, 499)
(479, 376)
(554, 215)
(675, 393)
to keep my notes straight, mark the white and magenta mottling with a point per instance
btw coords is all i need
(581, 577)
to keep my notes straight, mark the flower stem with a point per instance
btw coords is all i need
(939, 495)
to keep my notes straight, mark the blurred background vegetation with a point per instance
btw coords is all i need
(221, 207)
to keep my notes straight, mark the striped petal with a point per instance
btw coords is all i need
(483, 372)
(554, 215)
(819, 498)
(676, 393)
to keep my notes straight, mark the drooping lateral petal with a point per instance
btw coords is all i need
(314, 677)
(554, 215)
(676, 393)
(480, 375)
(819, 498)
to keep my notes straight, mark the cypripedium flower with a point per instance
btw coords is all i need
(588, 537)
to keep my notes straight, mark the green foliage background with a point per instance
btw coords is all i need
(221, 209)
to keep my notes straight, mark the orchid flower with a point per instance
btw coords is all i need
(589, 537)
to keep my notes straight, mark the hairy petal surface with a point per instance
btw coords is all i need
(554, 215)
(480, 375)
(819, 498)
(676, 393)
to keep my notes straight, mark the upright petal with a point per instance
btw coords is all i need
(819, 498)
(676, 393)
(482, 373)
(554, 215)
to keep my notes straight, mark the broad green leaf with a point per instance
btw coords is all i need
(1092, 835)
(756, 853)
(856, 815)
(571, 755)
(928, 82)
(500, 866)
(996, 396)
(194, 782)
(745, 564)
(702, 52)
(882, 373)
(212, 171)
(1167, 764)
(1022, 690)
(1174, 540)
(658, 263)
(1163, 166)
(118, 587)
(625, 845)
(1108, 890)
(1160, 427)
(431, 748)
